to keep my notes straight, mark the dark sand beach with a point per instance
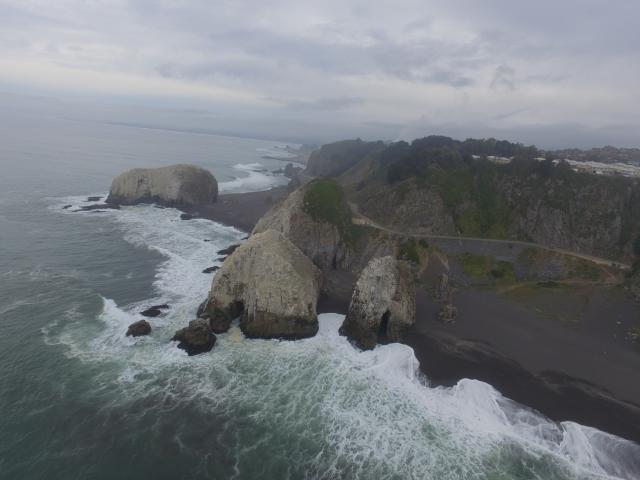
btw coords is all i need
(572, 365)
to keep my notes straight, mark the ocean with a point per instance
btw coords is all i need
(79, 400)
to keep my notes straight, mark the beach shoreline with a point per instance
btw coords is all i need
(541, 364)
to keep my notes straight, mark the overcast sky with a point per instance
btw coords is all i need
(553, 72)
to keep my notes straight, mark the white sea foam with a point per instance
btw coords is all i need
(256, 178)
(362, 414)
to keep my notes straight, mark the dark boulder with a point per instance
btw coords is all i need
(228, 250)
(210, 269)
(155, 310)
(186, 216)
(139, 328)
(448, 313)
(196, 338)
(94, 199)
(67, 207)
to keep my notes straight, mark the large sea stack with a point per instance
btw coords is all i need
(271, 284)
(173, 186)
(383, 304)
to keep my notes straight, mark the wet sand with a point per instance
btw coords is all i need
(240, 210)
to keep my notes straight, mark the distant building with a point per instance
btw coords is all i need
(594, 168)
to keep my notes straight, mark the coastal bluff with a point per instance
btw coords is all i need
(179, 185)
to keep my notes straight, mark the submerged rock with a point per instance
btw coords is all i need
(271, 284)
(383, 304)
(155, 310)
(66, 207)
(139, 328)
(94, 199)
(196, 338)
(98, 206)
(186, 216)
(174, 186)
(211, 269)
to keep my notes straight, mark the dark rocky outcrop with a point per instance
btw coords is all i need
(229, 250)
(155, 310)
(186, 216)
(97, 207)
(271, 285)
(448, 313)
(383, 304)
(196, 338)
(211, 269)
(174, 186)
(94, 199)
(139, 328)
(66, 207)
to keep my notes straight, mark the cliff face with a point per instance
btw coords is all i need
(271, 284)
(319, 240)
(316, 218)
(594, 215)
(437, 185)
(175, 186)
(590, 217)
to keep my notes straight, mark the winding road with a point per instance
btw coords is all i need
(360, 219)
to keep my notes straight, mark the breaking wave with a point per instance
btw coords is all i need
(315, 408)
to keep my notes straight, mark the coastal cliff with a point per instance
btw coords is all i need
(437, 185)
(175, 186)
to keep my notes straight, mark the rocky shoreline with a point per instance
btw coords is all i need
(306, 256)
(449, 353)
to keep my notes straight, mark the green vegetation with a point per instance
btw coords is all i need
(484, 266)
(410, 251)
(477, 266)
(325, 201)
(503, 272)
(586, 270)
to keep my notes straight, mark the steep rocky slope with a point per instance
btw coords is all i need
(383, 304)
(271, 284)
(440, 186)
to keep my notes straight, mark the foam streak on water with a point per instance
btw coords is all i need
(255, 177)
(316, 408)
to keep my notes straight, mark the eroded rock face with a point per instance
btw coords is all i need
(383, 304)
(175, 186)
(271, 284)
(196, 338)
(320, 241)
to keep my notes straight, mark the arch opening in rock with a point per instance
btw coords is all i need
(384, 326)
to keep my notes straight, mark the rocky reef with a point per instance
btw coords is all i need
(175, 186)
(139, 329)
(271, 285)
(196, 338)
(383, 304)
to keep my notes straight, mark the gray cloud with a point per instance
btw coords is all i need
(452, 63)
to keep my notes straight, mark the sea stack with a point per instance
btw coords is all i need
(383, 304)
(271, 285)
(172, 186)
